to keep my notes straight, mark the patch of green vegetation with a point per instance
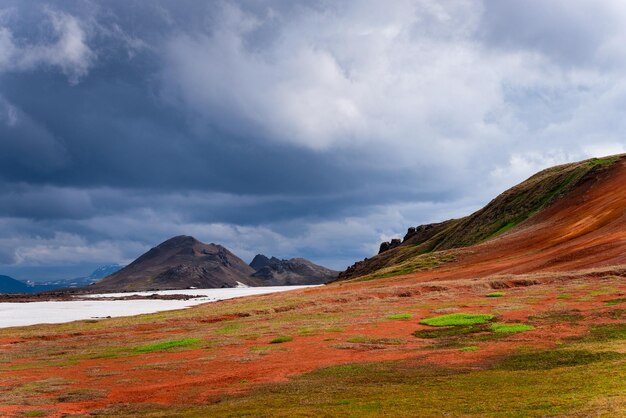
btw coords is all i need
(335, 330)
(456, 319)
(376, 340)
(228, 329)
(422, 262)
(266, 349)
(81, 395)
(469, 348)
(282, 339)
(443, 332)
(615, 301)
(35, 413)
(306, 331)
(505, 227)
(167, 345)
(605, 332)
(404, 316)
(602, 162)
(496, 294)
(616, 313)
(552, 359)
(510, 328)
(564, 296)
(572, 315)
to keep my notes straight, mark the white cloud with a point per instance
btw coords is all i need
(412, 83)
(68, 50)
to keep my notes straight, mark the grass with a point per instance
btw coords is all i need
(282, 339)
(547, 360)
(404, 316)
(564, 315)
(469, 348)
(456, 319)
(496, 294)
(443, 332)
(81, 395)
(167, 345)
(510, 328)
(376, 340)
(530, 384)
(605, 332)
(617, 301)
(421, 262)
(602, 162)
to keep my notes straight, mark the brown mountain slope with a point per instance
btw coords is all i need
(179, 263)
(565, 217)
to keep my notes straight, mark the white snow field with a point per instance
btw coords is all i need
(30, 313)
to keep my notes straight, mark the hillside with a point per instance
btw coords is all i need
(533, 214)
(295, 271)
(179, 263)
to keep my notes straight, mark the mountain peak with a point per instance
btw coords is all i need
(259, 261)
(179, 241)
(178, 263)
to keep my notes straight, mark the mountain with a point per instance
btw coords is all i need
(179, 263)
(104, 271)
(259, 261)
(10, 285)
(568, 216)
(295, 271)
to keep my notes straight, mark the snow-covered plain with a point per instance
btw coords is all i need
(30, 313)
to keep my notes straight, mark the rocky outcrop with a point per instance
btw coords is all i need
(259, 261)
(386, 246)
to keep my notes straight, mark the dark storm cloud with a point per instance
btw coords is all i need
(295, 128)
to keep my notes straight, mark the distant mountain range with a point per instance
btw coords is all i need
(184, 262)
(11, 285)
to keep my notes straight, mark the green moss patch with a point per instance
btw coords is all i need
(469, 348)
(35, 413)
(510, 328)
(456, 319)
(496, 294)
(281, 339)
(615, 301)
(167, 345)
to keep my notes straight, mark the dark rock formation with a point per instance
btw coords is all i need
(385, 246)
(295, 271)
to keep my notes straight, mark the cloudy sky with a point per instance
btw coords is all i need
(291, 128)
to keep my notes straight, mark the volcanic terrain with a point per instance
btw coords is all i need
(516, 310)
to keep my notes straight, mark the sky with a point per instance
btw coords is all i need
(289, 128)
